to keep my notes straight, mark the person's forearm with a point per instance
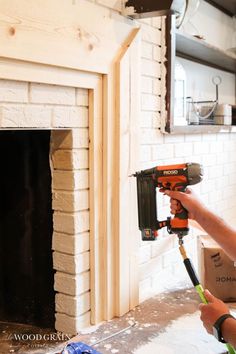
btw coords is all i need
(229, 331)
(221, 232)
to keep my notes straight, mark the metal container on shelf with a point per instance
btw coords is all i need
(223, 114)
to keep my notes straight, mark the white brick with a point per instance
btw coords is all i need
(184, 149)
(229, 146)
(151, 34)
(71, 117)
(171, 257)
(156, 22)
(72, 306)
(70, 244)
(71, 264)
(215, 197)
(190, 138)
(157, 53)
(147, 269)
(52, 94)
(209, 137)
(25, 116)
(207, 187)
(150, 102)
(162, 151)
(222, 137)
(147, 50)
(173, 138)
(71, 325)
(209, 160)
(201, 147)
(150, 68)
(147, 85)
(71, 201)
(216, 146)
(71, 284)
(229, 168)
(13, 91)
(232, 136)
(229, 192)
(221, 158)
(80, 159)
(232, 179)
(222, 181)
(231, 158)
(215, 171)
(70, 159)
(145, 153)
(156, 120)
(149, 136)
(73, 223)
(150, 119)
(144, 254)
(161, 246)
(82, 97)
(70, 180)
(144, 289)
(156, 87)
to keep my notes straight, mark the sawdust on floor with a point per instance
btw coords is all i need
(165, 324)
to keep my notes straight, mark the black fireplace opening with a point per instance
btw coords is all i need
(26, 269)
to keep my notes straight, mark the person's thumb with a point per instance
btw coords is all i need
(209, 297)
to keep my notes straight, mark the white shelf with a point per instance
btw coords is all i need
(198, 50)
(193, 129)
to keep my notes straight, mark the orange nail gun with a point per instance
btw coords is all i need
(173, 177)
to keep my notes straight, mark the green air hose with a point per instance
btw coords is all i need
(197, 285)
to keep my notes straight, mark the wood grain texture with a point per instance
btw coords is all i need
(127, 161)
(75, 34)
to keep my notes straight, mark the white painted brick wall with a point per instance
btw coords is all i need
(71, 223)
(70, 244)
(73, 117)
(13, 91)
(73, 306)
(72, 284)
(70, 159)
(70, 180)
(72, 264)
(51, 94)
(18, 115)
(71, 201)
(33, 105)
(69, 324)
(163, 270)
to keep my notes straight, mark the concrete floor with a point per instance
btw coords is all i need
(165, 324)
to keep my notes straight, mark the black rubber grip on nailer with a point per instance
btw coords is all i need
(183, 214)
(191, 271)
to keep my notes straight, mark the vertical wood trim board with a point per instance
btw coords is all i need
(127, 154)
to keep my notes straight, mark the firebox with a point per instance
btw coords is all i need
(26, 226)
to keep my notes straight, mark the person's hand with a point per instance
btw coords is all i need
(188, 200)
(212, 311)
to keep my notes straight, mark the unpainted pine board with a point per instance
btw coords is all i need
(127, 145)
(97, 250)
(12, 69)
(134, 166)
(75, 34)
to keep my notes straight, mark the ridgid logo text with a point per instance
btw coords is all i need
(31, 337)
